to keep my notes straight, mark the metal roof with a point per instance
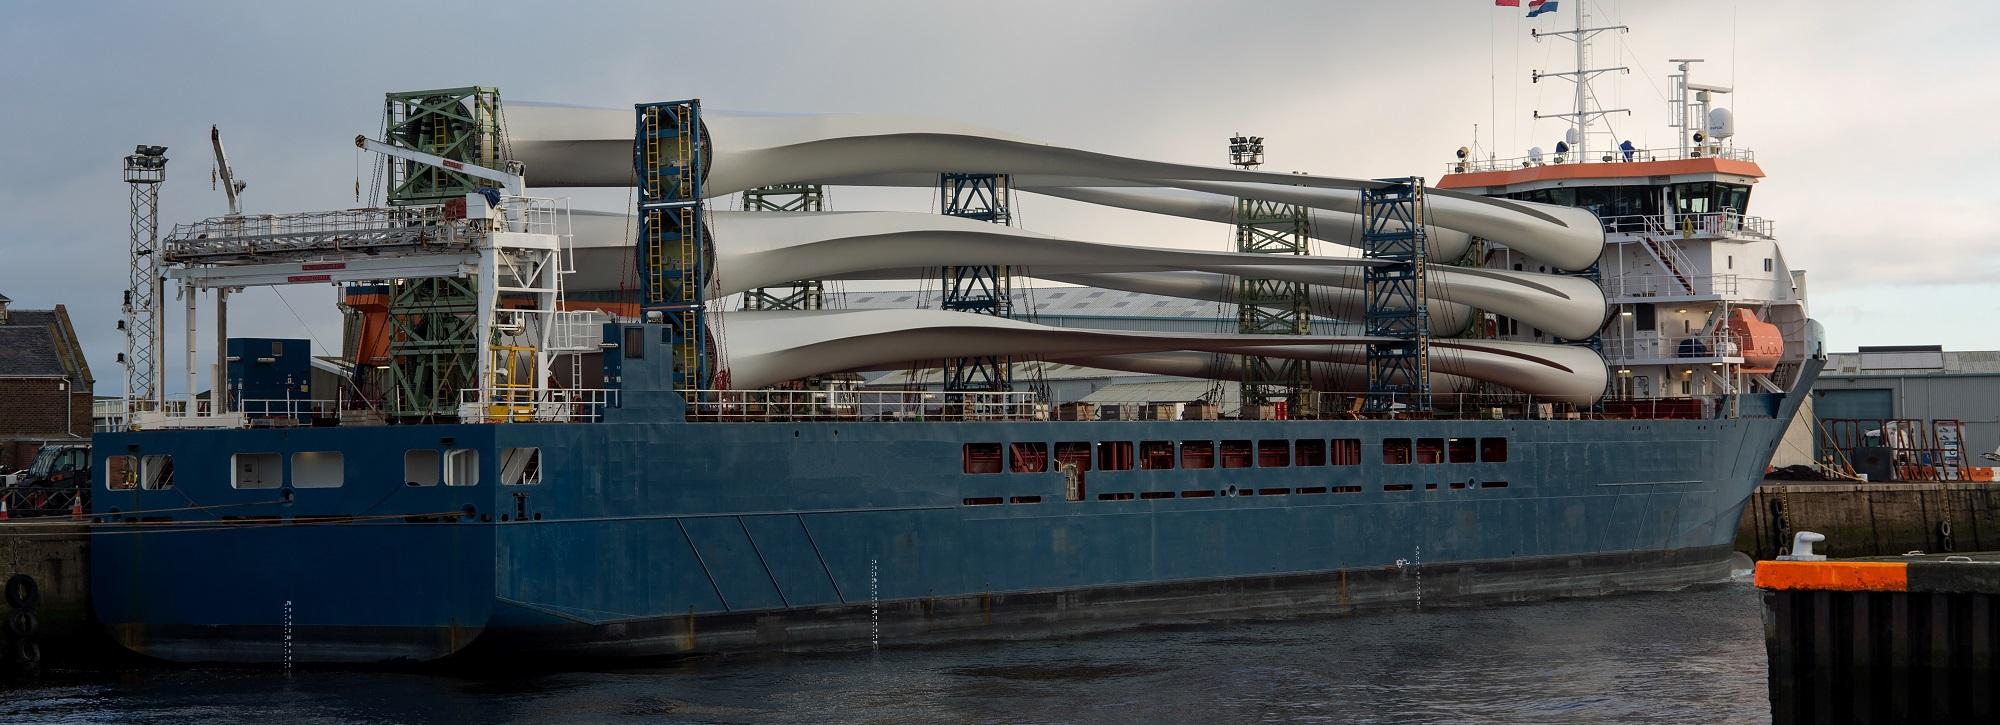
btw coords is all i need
(1077, 301)
(1900, 362)
(1022, 371)
(1090, 307)
(1179, 391)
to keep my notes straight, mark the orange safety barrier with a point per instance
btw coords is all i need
(1870, 576)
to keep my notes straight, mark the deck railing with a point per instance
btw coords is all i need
(1598, 156)
(1689, 226)
(873, 405)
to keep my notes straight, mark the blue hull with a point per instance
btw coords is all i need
(645, 538)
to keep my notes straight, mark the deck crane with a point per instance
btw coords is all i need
(514, 183)
(233, 189)
(230, 185)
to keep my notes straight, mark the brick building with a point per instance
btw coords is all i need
(45, 383)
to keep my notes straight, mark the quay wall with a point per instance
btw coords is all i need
(1872, 519)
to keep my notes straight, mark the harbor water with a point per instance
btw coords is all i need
(1692, 655)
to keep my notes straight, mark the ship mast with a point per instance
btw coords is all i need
(1582, 116)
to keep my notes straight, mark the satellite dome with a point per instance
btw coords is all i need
(1535, 154)
(1571, 136)
(1721, 123)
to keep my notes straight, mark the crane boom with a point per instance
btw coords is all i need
(514, 184)
(230, 185)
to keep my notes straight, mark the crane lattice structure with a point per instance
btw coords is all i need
(1267, 306)
(145, 299)
(1399, 371)
(461, 124)
(432, 351)
(979, 289)
(804, 294)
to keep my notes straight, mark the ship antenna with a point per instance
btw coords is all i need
(1581, 117)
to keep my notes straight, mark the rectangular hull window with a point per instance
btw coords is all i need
(523, 466)
(318, 469)
(256, 470)
(420, 467)
(461, 467)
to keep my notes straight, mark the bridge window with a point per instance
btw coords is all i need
(1156, 455)
(1198, 454)
(1346, 452)
(981, 457)
(1430, 450)
(1114, 455)
(461, 467)
(256, 470)
(318, 469)
(121, 473)
(1274, 454)
(1028, 457)
(420, 467)
(1462, 450)
(1395, 451)
(1311, 452)
(1236, 454)
(523, 466)
(1493, 450)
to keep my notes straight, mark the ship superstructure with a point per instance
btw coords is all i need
(552, 439)
(1704, 301)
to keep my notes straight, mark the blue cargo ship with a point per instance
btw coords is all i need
(535, 451)
(645, 533)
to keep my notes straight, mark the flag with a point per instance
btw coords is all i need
(1537, 7)
(1507, 3)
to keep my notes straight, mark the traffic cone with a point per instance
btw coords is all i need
(76, 508)
(3, 508)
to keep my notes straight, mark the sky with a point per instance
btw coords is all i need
(1873, 121)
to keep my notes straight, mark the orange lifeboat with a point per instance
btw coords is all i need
(1759, 342)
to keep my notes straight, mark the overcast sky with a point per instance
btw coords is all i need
(1874, 121)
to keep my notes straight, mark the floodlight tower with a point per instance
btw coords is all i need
(1271, 307)
(145, 350)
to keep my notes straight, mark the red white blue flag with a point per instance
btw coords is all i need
(1537, 7)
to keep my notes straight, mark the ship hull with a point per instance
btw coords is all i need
(1027, 615)
(646, 538)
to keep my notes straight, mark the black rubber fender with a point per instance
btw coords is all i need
(27, 652)
(21, 624)
(23, 592)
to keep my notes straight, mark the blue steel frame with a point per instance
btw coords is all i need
(668, 163)
(977, 289)
(1393, 232)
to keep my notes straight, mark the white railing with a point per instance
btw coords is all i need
(308, 234)
(546, 405)
(293, 408)
(1623, 287)
(1604, 156)
(1518, 406)
(1709, 346)
(578, 330)
(887, 405)
(538, 215)
(1690, 226)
